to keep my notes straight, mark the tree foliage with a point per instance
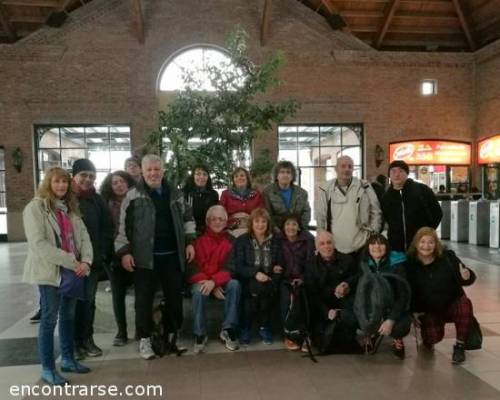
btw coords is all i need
(223, 121)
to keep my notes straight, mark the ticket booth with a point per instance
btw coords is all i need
(488, 156)
(436, 163)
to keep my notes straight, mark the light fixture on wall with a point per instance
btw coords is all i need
(379, 155)
(17, 159)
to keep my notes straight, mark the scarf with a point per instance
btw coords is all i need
(65, 226)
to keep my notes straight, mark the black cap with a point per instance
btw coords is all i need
(83, 164)
(399, 164)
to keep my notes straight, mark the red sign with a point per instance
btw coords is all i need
(488, 150)
(428, 152)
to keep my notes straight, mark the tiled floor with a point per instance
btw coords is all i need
(259, 371)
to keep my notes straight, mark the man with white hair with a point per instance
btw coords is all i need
(154, 240)
(210, 276)
(348, 207)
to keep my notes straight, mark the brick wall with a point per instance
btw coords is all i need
(94, 70)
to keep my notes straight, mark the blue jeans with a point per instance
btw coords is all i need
(232, 293)
(53, 305)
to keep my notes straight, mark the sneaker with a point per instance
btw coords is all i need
(266, 335)
(229, 338)
(145, 349)
(245, 336)
(458, 353)
(291, 345)
(52, 377)
(304, 348)
(398, 348)
(121, 339)
(80, 352)
(91, 348)
(74, 367)
(200, 342)
(35, 319)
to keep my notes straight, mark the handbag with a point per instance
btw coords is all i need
(71, 285)
(474, 339)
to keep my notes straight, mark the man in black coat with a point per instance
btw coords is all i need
(408, 206)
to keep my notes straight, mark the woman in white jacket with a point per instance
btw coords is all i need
(59, 259)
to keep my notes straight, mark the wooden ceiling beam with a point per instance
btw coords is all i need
(388, 15)
(28, 19)
(266, 22)
(5, 23)
(34, 3)
(137, 19)
(464, 24)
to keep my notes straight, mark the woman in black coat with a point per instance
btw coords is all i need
(436, 277)
(256, 262)
(200, 195)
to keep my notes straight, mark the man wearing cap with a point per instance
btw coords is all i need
(348, 207)
(97, 219)
(408, 206)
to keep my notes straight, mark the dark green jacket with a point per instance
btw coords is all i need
(299, 204)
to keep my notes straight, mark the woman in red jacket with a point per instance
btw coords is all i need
(240, 200)
(209, 276)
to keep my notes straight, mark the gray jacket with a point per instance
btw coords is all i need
(299, 204)
(136, 232)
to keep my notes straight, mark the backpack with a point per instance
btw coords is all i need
(162, 342)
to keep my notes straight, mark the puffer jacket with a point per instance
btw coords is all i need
(42, 266)
(212, 252)
(136, 233)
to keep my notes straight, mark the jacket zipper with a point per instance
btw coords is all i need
(403, 216)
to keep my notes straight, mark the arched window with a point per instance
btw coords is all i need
(194, 67)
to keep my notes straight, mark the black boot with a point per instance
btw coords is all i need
(458, 353)
(91, 348)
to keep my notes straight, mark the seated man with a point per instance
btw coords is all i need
(331, 280)
(209, 276)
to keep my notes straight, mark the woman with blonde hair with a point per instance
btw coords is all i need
(436, 277)
(59, 257)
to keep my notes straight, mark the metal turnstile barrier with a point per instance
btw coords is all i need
(479, 222)
(443, 230)
(459, 221)
(495, 224)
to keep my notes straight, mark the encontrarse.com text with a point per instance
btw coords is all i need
(86, 391)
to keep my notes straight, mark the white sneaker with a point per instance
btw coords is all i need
(145, 349)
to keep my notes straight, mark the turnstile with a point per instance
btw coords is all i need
(479, 222)
(459, 221)
(443, 230)
(495, 224)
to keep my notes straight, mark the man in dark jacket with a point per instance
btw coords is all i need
(95, 215)
(331, 280)
(154, 240)
(408, 206)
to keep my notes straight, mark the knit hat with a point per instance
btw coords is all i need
(399, 164)
(83, 164)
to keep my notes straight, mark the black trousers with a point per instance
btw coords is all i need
(85, 309)
(120, 280)
(168, 276)
(258, 301)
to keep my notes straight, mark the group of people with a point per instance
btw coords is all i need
(251, 250)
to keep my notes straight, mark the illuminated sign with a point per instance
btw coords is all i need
(428, 152)
(488, 150)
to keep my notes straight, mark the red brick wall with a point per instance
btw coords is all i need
(94, 70)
